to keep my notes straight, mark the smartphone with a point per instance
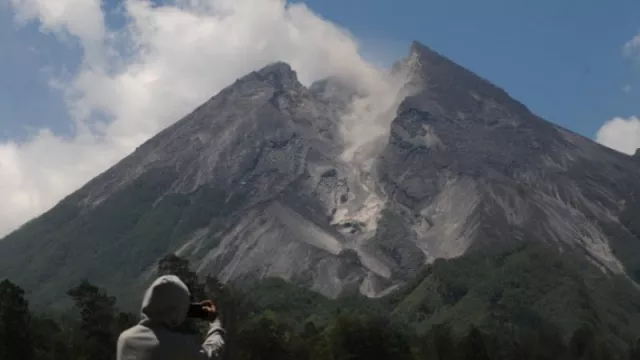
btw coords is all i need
(197, 311)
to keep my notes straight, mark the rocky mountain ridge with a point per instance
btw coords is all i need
(261, 181)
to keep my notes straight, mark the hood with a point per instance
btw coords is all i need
(166, 301)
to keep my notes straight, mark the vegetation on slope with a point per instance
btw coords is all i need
(44, 255)
(527, 303)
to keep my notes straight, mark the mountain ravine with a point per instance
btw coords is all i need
(255, 183)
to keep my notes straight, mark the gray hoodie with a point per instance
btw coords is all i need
(164, 308)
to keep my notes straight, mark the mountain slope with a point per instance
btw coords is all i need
(477, 168)
(244, 184)
(528, 287)
(261, 181)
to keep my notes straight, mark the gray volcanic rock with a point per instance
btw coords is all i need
(248, 184)
(254, 183)
(477, 168)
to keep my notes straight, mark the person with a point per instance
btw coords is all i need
(164, 308)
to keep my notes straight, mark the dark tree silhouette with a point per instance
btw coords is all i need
(174, 265)
(15, 335)
(473, 346)
(100, 322)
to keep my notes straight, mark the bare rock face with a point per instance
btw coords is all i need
(254, 183)
(477, 168)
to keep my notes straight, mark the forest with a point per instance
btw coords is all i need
(276, 320)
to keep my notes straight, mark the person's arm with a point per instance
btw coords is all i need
(210, 349)
(214, 342)
(213, 345)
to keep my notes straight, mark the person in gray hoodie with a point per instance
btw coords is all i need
(164, 308)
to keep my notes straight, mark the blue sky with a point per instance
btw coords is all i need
(26, 100)
(563, 59)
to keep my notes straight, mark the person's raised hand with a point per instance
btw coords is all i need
(210, 308)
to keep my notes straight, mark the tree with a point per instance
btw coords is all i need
(585, 345)
(634, 351)
(100, 322)
(15, 323)
(366, 337)
(309, 331)
(174, 265)
(264, 337)
(51, 341)
(549, 343)
(437, 344)
(473, 346)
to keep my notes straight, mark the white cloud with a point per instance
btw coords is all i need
(165, 61)
(621, 134)
(82, 19)
(632, 47)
